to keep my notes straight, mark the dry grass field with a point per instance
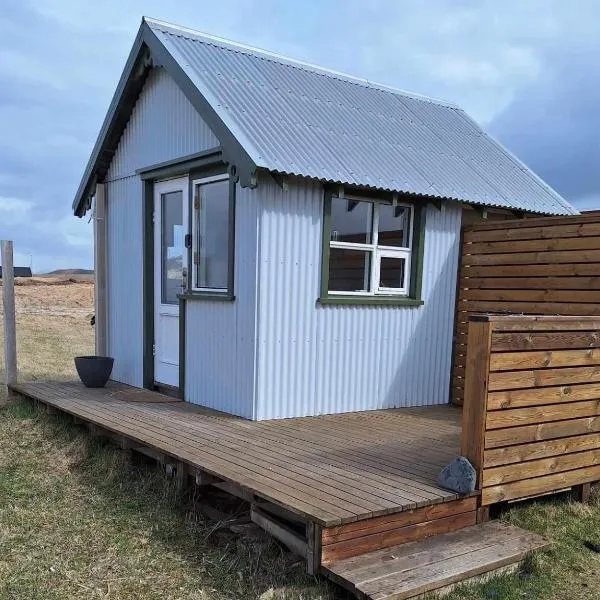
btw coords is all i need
(81, 519)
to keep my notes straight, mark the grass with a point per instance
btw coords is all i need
(79, 519)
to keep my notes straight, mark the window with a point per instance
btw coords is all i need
(212, 235)
(371, 250)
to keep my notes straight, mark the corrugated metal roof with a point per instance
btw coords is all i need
(297, 119)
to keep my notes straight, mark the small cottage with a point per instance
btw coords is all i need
(274, 239)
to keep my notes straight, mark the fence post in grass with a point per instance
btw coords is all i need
(8, 301)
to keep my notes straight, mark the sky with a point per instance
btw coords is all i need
(527, 70)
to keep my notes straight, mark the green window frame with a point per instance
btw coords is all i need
(408, 254)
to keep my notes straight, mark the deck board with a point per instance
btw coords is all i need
(331, 469)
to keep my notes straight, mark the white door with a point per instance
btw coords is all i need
(170, 266)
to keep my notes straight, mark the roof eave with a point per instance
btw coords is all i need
(85, 191)
(145, 47)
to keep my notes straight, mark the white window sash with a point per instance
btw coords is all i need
(378, 252)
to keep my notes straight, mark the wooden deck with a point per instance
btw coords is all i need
(329, 470)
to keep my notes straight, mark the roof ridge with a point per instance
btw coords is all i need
(293, 62)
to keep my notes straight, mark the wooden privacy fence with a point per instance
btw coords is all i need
(531, 416)
(545, 266)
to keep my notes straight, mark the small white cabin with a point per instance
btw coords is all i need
(276, 240)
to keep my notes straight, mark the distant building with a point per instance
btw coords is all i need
(20, 272)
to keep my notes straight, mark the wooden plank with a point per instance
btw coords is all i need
(547, 431)
(535, 245)
(541, 414)
(524, 295)
(410, 533)
(583, 269)
(536, 468)
(551, 340)
(539, 485)
(535, 450)
(361, 528)
(506, 380)
(541, 359)
(280, 531)
(582, 492)
(536, 228)
(475, 394)
(543, 396)
(532, 308)
(530, 283)
(533, 258)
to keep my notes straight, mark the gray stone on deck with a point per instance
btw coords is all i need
(459, 476)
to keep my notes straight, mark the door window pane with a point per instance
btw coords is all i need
(349, 270)
(212, 237)
(392, 271)
(351, 221)
(394, 224)
(172, 246)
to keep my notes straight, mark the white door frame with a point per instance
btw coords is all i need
(166, 314)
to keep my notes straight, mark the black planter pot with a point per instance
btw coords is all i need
(94, 371)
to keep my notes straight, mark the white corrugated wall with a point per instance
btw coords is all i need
(124, 278)
(221, 336)
(163, 126)
(316, 359)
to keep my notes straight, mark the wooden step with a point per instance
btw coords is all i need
(435, 563)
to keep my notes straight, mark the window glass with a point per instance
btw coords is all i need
(394, 224)
(392, 272)
(172, 246)
(211, 256)
(351, 221)
(349, 270)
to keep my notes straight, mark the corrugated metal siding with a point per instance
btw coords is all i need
(163, 126)
(124, 279)
(302, 120)
(326, 359)
(221, 336)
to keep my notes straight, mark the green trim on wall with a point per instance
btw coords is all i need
(183, 165)
(371, 300)
(325, 237)
(148, 285)
(416, 275)
(182, 319)
(207, 296)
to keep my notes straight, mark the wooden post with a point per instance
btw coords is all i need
(476, 386)
(100, 270)
(10, 327)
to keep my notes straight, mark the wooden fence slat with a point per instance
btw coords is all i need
(540, 245)
(540, 359)
(541, 396)
(511, 342)
(506, 380)
(541, 414)
(545, 232)
(520, 295)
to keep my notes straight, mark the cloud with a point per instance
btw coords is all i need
(14, 210)
(554, 126)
